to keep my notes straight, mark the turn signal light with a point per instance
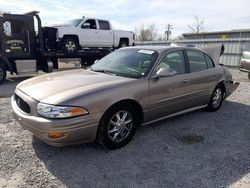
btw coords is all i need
(56, 135)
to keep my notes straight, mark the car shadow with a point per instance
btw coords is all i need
(8, 86)
(161, 154)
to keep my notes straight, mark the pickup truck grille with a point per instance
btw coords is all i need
(22, 104)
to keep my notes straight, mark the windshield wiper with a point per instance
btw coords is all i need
(103, 71)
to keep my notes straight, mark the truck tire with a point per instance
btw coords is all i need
(123, 43)
(2, 72)
(70, 45)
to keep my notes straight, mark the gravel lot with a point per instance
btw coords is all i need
(198, 149)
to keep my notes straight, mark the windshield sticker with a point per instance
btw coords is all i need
(150, 52)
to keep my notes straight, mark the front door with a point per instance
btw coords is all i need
(169, 94)
(15, 36)
(88, 34)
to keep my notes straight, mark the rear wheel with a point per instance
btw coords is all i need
(70, 45)
(123, 43)
(216, 99)
(117, 126)
(2, 72)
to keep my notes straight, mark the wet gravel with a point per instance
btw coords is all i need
(198, 149)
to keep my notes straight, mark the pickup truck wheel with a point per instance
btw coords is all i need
(123, 44)
(117, 126)
(2, 73)
(70, 45)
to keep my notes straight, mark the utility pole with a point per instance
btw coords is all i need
(169, 27)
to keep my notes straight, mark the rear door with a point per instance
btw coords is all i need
(203, 76)
(169, 94)
(105, 34)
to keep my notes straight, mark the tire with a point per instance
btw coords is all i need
(249, 75)
(216, 99)
(118, 133)
(123, 43)
(2, 73)
(70, 45)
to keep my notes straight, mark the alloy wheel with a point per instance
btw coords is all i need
(70, 46)
(120, 126)
(217, 97)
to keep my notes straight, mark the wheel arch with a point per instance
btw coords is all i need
(72, 36)
(124, 39)
(130, 102)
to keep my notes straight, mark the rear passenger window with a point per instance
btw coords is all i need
(197, 61)
(210, 62)
(104, 25)
(175, 61)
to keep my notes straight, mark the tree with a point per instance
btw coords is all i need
(148, 33)
(197, 26)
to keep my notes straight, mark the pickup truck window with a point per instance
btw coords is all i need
(104, 25)
(91, 22)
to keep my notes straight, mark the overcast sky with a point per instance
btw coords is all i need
(129, 14)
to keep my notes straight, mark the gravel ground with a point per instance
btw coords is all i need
(198, 149)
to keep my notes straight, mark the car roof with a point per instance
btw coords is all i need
(161, 49)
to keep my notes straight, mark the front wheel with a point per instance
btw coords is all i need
(216, 99)
(70, 45)
(2, 73)
(117, 126)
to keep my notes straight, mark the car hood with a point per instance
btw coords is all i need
(54, 88)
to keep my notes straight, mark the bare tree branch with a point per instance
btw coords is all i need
(148, 33)
(197, 26)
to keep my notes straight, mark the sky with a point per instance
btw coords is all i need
(218, 15)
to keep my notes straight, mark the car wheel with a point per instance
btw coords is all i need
(70, 45)
(249, 75)
(2, 73)
(123, 44)
(216, 99)
(117, 126)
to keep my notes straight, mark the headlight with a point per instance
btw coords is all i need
(51, 111)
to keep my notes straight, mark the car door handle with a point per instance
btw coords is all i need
(96, 32)
(186, 81)
(214, 76)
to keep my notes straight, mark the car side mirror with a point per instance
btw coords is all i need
(164, 72)
(86, 25)
(96, 61)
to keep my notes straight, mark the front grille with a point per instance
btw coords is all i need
(22, 104)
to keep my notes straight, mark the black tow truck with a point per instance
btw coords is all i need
(27, 47)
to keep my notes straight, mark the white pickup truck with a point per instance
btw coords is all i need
(91, 32)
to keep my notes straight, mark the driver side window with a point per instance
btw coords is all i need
(173, 60)
(89, 24)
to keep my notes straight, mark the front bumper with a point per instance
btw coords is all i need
(78, 130)
(230, 86)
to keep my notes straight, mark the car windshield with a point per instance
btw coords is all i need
(127, 62)
(74, 22)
